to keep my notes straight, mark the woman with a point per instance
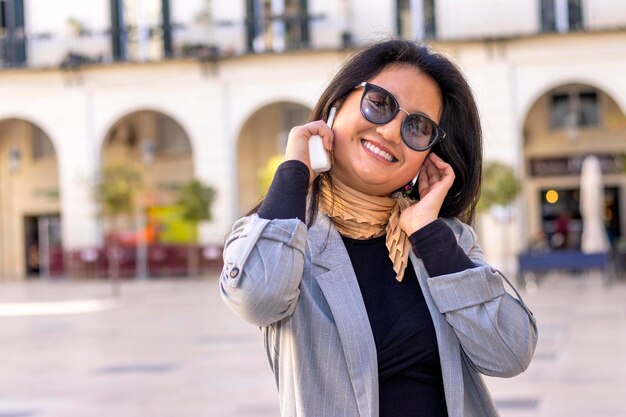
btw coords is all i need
(377, 300)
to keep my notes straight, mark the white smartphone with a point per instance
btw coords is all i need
(320, 157)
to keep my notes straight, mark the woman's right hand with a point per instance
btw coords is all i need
(298, 143)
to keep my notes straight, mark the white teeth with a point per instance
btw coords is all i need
(373, 148)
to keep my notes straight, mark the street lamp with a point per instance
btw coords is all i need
(15, 159)
(147, 151)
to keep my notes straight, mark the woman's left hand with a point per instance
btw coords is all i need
(434, 181)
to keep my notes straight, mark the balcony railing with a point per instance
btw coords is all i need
(150, 44)
(48, 50)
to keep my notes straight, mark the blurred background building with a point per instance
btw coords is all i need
(209, 90)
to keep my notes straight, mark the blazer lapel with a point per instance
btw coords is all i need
(335, 276)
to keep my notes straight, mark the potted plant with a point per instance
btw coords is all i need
(75, 27)
(116, 193)
(499, 189)
(195, 200)
(500, 186)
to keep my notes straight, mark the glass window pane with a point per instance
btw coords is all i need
(588, 112)
(559, 109)
(430, 27)
(404, 19)
(293, 18)
(548, 19)
(143, 20)
(3, 22)
(575, 14)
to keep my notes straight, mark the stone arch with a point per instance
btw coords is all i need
(46, 126)
(114, 121)
(30, 206)
(532, 96)
(157, 147)
(244, 114)
(564, 124)
(260, 146)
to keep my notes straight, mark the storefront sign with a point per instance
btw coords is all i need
(571, 165)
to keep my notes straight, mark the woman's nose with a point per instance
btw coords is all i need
(390, 131)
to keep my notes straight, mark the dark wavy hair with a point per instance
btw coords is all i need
(462, 147)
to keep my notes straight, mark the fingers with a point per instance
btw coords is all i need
(328, 141)
(435, 179)
(437, 162)
(443, 168)
(298, 142)
(422, 181)
(434, 171)
(318, 127)
(429, 174)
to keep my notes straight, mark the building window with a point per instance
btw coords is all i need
(574, 109)
(3, 17)
(416, 19)
(277, 25)
(12, 35)
(141, 30)
(561, 15)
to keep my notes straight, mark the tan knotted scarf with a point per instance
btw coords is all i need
(361, 216)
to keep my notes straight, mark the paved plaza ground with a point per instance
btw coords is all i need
(170, 348)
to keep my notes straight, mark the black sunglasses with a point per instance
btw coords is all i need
(379, 106)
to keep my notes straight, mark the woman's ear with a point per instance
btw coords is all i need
(415, 192)
(338, 103)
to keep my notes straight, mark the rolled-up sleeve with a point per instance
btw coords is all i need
(497, 331)
(263, 266)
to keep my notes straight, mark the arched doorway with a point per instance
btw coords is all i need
(561, 128)
(261, 146)
(157, 149)
(30, 214)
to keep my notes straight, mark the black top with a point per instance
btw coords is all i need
(409, 369)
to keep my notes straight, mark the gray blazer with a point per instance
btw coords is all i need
(299, 286)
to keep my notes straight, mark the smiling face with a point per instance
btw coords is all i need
(373, 158)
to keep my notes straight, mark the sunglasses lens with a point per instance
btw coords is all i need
(378, 106)
(418, 131)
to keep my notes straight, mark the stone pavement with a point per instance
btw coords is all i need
(171, 348)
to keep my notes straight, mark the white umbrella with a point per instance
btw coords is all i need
(594, 238)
